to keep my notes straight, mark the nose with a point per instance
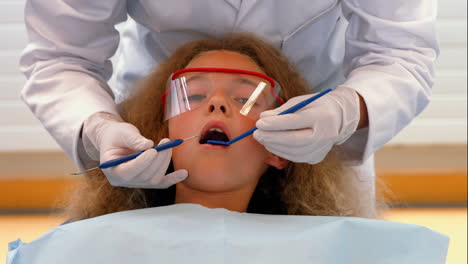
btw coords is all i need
(219, 104)
(222, 108)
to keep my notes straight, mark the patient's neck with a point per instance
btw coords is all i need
(236, 200)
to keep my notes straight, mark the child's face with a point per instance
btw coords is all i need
(217, 168)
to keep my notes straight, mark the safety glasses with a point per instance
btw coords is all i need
(248, 92)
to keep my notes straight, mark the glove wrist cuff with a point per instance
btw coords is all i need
(90, 149)
(92, 128)
(348, 99)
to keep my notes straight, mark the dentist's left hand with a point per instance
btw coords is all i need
(308, 134)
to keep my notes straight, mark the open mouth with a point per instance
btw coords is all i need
(214, 133)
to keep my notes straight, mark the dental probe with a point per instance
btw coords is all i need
(117, 161)
(292, 109)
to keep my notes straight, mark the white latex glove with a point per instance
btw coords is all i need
(308, 134)
(109, 137)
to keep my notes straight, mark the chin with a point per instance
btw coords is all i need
(212, 181)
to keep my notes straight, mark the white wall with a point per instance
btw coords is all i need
(443, 122)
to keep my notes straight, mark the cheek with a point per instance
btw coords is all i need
(251, 160)
(174, 126)
(250, 146)
(255, 149)
(180, 127)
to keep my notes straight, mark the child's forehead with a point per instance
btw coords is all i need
(224, 59)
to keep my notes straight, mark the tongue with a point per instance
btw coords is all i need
(214, 135)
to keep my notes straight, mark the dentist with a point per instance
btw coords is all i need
(378, 54)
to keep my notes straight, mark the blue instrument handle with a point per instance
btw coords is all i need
(117, 161)
(304, 103)
(243, 135)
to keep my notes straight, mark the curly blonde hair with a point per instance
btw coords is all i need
(327, 188)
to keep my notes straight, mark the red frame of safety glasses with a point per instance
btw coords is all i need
(261, 75)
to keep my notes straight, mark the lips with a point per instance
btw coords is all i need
(214, 130)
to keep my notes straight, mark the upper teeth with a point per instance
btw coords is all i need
(216, 129)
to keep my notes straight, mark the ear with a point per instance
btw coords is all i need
(276, 161)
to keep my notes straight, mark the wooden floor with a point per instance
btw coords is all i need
(449, 221)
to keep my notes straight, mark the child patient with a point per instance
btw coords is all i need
(199, 90)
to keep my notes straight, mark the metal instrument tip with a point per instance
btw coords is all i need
(191, 137)
(83, 172)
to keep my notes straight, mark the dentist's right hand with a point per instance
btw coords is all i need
(106, 136)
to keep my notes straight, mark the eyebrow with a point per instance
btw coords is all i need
(238, 78)
(195, 77)
(254, 84)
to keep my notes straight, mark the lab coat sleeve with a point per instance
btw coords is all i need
(67, 64)
(390, 51)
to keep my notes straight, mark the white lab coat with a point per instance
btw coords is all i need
(385, 50)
